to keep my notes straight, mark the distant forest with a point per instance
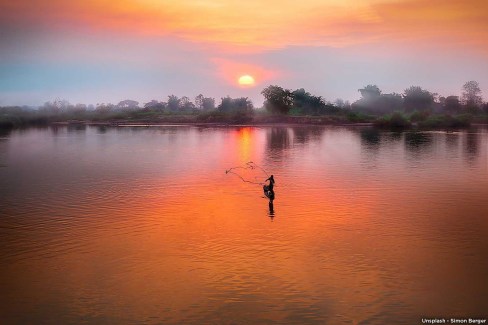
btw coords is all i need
(414, 106)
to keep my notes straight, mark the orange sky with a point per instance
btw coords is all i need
(262, 25)
(215, 41)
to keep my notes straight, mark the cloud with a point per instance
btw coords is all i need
(449, 22)
(257, 25)
(100, 50)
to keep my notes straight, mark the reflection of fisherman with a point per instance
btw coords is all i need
(268, 189)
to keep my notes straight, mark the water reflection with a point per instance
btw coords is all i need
(471, 148)
(102, 129)
(76, 128)
(416, 141)
(370, 138)
(452, 141)
(55, 129)
(143, 225)
(244, 136)
(370, 146)
(4, 136)
(271, 210)
(278, 139)
(393, 136)
(5, 132)
(305, 134)
(373, 139)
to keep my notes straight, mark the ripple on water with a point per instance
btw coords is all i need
(143, 225)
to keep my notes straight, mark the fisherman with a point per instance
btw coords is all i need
(268, 189)
(271, 182)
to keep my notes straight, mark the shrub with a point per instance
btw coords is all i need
(446, 121)
(295, 111)
(357, 117)
(234, 117)
(419, 116)
(393, 121)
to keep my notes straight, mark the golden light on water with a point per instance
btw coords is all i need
(200, 244)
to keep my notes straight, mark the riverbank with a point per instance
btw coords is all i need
(191, 120)
(398, 121)
(276, 121)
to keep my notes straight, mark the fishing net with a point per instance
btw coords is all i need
(249, 173)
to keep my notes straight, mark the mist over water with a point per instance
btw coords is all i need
(143, 225)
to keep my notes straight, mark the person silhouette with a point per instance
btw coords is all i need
(269, 189)
(271, 182)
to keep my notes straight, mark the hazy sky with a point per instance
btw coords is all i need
(89, 51)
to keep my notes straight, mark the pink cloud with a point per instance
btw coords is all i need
(256, 26)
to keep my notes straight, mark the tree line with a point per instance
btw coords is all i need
(413, 105)
(278, 100)
(173, 104)
(373, 101)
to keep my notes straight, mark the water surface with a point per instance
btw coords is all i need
(143, 225)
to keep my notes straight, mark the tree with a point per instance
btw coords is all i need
(391, 102)
(80, 107)
(451, 104)
(379, 105)
(471, 96)
(416, 98)
(128, 104)
(238, 110)
(370, 92)
(242, 105)
(173, 103)
(154, 105)
(225, 104)
(199, 101)
(186, 104)
(104, 108)
(373, 101)
(208, 103)
(56, 106)
(341, 103)
(277, 99)
(308, 103)
(301, 100)
(204, 103)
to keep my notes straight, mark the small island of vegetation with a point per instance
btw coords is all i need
(415, 107)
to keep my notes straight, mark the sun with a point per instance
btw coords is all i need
(246, 81)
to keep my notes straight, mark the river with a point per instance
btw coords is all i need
(142, 225)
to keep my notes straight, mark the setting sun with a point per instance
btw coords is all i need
(246, 80)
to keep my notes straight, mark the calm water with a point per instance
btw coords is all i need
(143, 225)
